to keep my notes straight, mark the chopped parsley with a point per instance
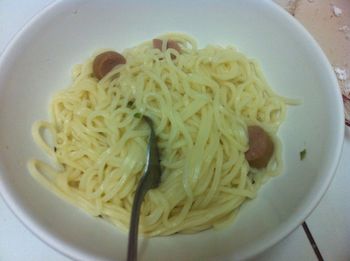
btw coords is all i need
(302, 154)
(54, 149)
(138, 115)
(130, 105)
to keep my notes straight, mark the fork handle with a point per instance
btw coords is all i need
(134, 222)
(150, 179)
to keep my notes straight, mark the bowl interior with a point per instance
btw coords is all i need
(39, 60)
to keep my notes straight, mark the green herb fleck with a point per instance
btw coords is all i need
(54, 149)
(302, 154)
(130, 105)
(100, 216)
(138, 115)
(253, 181)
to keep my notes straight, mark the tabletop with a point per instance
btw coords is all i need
(325, 235)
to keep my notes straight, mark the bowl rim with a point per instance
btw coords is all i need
(276, 236)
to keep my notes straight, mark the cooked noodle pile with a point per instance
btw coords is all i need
(201, 101)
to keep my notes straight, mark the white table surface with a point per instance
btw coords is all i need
(329, 223)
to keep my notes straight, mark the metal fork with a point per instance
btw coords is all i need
(149, 180)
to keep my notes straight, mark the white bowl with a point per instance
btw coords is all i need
(38, 62)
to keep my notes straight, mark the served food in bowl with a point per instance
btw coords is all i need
(93, 134)
(216, 119)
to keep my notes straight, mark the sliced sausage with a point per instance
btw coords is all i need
(157, 44)
(105, 62)
(171, 44)
(261, 147)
